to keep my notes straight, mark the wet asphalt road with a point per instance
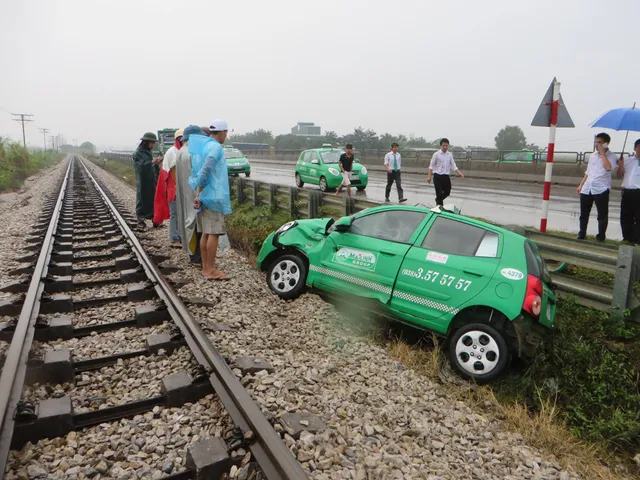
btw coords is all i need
(501, 202)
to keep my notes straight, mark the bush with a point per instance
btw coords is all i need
(248, 225)
(16, 163)
(590, 371)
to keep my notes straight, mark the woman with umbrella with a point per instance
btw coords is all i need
(629, 169)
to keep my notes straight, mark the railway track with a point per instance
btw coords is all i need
(159, 401)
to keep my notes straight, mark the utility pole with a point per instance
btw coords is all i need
(44, 132)
(53, 142)
(22, 118)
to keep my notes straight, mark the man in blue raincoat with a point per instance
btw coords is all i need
(210, 180)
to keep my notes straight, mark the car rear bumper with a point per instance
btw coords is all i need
(529, 335)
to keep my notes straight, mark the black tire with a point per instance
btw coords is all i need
(323, 185)
(488, 337)
(247, 174)
(361, 189)
(280, 282)
(299, 182)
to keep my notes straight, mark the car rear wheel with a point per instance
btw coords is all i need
(478, 352)
(247, 174)
(323, 185)
(299, 182)
(287, 275)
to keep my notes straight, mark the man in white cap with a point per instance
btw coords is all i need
(210, 180)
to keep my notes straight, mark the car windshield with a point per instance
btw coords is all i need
(331, 156)
(233, 153)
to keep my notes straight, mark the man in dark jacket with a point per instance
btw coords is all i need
(146, 178)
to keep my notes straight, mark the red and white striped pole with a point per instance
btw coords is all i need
(548, 171)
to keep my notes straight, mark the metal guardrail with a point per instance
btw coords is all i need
(621, 262)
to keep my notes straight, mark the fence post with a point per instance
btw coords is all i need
(240, 196)
(273, 196)
(622, 284)
(314, 203)
(293, 196)
(254, 194)
(349, 205)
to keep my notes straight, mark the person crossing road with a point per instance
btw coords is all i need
(393, 163)
(440, 168)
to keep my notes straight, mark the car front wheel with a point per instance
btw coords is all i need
(247, 174)
(299, 182)
(361, 189)
(287, 276)
(478, 352)
(323, 185)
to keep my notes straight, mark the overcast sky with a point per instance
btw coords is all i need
(107, 71)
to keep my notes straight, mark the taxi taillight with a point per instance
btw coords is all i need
(533, 297)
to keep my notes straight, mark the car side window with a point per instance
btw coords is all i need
(312, 156)
(459, 238)
(392, 225)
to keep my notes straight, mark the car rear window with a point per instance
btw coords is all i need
(535, 263)
(459, 238)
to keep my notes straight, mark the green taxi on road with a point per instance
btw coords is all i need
(319, 166)
(237, 163)
(486, 289)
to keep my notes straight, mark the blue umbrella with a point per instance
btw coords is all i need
(620, 119)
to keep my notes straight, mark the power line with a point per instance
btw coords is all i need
(22, 119)
(44, 132)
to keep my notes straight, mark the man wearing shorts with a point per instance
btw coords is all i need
(346, 164)
(212, 198)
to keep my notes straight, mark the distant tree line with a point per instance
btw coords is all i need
(86, 148)
(511, 137)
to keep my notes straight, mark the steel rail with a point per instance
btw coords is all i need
(15, 366)
(275, 459)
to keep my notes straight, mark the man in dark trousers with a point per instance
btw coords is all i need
(629, 168)
(595, 187)
(393, 163)
(346, 165)
(146, 178)
(440, 167)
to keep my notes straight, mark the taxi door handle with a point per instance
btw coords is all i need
(388, 252)
(475, 273)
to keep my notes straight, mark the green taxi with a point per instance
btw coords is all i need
(319, 166)
(237, 163)
(484, 288)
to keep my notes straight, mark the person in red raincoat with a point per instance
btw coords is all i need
(165, 199)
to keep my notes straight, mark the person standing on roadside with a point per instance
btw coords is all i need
(595, 187)
(393, 163)
(346, 165)
(211, 183)
(440, 167)
(186, 216)
(144, 164)
(629, 170)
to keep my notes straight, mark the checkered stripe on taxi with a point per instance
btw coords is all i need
(427, 303)
(351, 279)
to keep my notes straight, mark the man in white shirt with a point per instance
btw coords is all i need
(440, 167)
(595, 187)
(629, 168)
(393, 162)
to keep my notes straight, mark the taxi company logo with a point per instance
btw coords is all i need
(356, 258)
(512, 274)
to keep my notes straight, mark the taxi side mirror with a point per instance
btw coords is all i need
(343, 224)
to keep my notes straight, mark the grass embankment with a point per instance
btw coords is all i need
(124, 171)
(17, 163)
(578, 400)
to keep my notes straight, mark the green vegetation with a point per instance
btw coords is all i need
(124, 171)
(248, 226)
(17, 163)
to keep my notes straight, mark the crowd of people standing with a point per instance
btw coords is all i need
(189, 187)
